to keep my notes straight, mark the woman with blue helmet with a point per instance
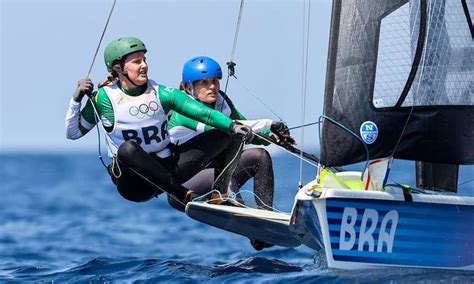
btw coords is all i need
(200, 80)
(134, 113)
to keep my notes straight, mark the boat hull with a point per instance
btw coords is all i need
(360, 229)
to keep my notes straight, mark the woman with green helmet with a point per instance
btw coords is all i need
(134, 112)
(200, 80)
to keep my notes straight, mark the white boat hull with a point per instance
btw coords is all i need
(362, 229)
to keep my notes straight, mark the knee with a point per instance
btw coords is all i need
(263, 155)
(128, 148)
(264, 160)
(136, 196)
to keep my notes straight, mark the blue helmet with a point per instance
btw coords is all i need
(199, 68)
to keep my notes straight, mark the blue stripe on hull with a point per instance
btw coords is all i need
(436, 235)
(425, 234)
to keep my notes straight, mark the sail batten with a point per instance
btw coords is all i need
(399, 60)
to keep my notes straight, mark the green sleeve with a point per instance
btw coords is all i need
(104, 108)
(174, 99)
(178, 119)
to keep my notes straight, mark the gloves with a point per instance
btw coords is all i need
(280, 128)
(242, 130)
(84, 87)
(282, 132)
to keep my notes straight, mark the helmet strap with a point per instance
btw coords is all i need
(125, 74)
(191, 90)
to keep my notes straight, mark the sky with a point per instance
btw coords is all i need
(47, 46)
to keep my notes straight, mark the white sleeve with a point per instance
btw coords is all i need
(73, 117)
(258, 124)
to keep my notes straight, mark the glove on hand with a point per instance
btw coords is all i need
(280, 128)
(282, 132)
(243, 130)
(84, 87)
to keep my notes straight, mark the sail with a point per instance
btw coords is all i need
(400, 76)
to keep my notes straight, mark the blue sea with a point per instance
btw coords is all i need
(61, 220)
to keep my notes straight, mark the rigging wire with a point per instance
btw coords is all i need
(342, 126)
(237, 28)
(466, 182)
(231, 64)
(101, 38)
(232, 161)
(288, 151)
(257, 98)
(304, 125)
(304, 77)
(96, 114)
(233, 197)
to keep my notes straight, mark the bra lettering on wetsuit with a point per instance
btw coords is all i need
(149, 134)
(138, 118)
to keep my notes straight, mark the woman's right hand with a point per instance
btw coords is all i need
(242, 130)
(84, 87)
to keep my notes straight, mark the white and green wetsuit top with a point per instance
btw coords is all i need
(140, 114)
(182, 128)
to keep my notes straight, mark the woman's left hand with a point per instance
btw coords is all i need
(282, 132)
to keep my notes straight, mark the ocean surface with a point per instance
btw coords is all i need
(61, 220)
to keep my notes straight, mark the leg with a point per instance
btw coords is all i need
(256, 163)
(216, 147)
(197, 153)
(226, 164)
(144, 177)
(200, 184)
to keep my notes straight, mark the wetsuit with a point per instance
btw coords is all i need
(136, 123)
(254, 162)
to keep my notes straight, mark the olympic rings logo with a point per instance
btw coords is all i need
(144, 110)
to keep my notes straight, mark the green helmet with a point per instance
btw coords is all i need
(118, 49)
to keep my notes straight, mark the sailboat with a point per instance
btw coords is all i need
(400, 75)
(399, 85)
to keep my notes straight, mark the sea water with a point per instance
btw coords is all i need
(61, 220)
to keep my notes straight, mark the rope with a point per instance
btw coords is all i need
(156, 186)
(231, 64)
(116, 164)
(304, 79)
(100, 40)
(273, 208)
(232, 196)
(304, 125)
(338, 124)
(237, 153)
(237, 28)
(257, 98)
(96, 114)
(96, 118)
(288, 151)
(466, 182)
